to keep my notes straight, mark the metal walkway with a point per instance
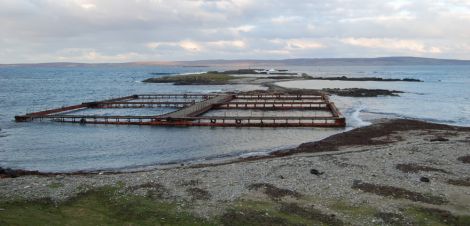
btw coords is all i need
(199, 107)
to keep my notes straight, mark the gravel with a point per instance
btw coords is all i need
(220, 185)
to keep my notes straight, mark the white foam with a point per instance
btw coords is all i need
(355, 116)
(253, 154)
(193, 73)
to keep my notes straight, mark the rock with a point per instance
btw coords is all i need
(439, 139)
(424, 179)
(360, 92)
(316, 172)
(13, 173)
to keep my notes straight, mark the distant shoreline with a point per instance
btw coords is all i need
(378, 61)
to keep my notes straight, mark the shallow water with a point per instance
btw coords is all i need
(443, 97)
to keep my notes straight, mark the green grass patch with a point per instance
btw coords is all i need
(55, 185)
(355, 211)
(251, 212)
(104, 206)
(209, 78)
(257, 212)
(433, 216)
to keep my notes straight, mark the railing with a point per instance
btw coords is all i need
(216, 121)
(190, 111)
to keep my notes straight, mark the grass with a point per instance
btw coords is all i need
(355, 211)
(112, 206)
(103, 206)
(209, 78)
(254, 212)
(274, 192)
(270, 212)
(55, 185)
(432, 216)
(260, 212)
(398, 193)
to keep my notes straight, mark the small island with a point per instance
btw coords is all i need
(242, 76)
(208, 78)
(236, 77)
(220, 78)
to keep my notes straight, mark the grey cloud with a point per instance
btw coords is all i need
(111, 30)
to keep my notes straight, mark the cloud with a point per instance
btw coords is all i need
(392, 44)
(187, 45)
(190, 46)
(285, 19)
(91, 55)
(125, 30)
(225, 44)
(153, 45)
(303, 44)
(88, 6)
(379, 19)
(242, 29)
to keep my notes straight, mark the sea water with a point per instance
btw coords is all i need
(53, 147)
(442, 97)
(56, 147)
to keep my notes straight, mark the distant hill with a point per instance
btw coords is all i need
(379, 61)
(64, 64)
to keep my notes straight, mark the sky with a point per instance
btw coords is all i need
(34, 31)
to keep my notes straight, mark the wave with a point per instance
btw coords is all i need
(354, 116)
(254, 154)
(162, 73)
(386, 113)
(460, 122)
(174, 73)
(3, 133)
(192, 73)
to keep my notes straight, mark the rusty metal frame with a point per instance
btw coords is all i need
(191, 107)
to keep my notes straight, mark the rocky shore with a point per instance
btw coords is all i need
(394, 172)
(348, 92)
(359, 92)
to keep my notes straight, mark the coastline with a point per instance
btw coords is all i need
(329, 145)
(378, 168)
(245, 77)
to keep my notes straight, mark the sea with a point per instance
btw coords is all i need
(442, 97)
